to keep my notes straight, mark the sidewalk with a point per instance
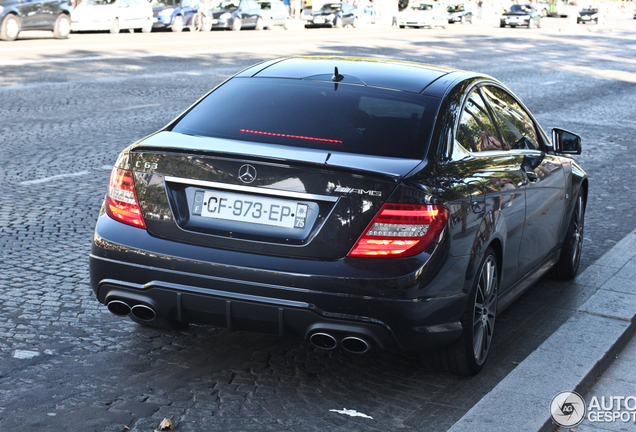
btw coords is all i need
(573, 358)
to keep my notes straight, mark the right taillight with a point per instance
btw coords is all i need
(121, 199)
(401, 230)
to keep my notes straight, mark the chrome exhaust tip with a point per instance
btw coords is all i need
(355, 345)
(323, 341)
(119, 308)
(143, 312)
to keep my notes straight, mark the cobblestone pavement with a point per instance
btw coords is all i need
(67, 364)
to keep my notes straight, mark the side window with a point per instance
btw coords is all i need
(517, 129)
(476, 131)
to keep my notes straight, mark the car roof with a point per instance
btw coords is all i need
(395, 75)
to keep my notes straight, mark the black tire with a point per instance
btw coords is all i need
(568, 264)
(355, 23)
(539, 23)
(62, 27)
(207, 24)
(11, 27)
(531, 23)
(161, 323)
(147, 28)
(195, 24)
(177, 25)
(502, 25)
(402, 26)
(260, 24)
(468, 355)
(338, 22)
(236, 24)
(115, 28)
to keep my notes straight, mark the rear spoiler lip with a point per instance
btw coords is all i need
(375, 166)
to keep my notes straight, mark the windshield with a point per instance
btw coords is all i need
(520, 8)
(226, 5)
(315, 114)
(164, 3)
(332, 6)
(422, 7)
(99, 2)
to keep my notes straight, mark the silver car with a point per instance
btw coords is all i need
(424, 15)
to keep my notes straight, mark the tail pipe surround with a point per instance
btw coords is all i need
(355, 344)
(143, 312)
(323, 341)
(139, 311)
(119, 308)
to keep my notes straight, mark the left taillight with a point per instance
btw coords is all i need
(401, 230)
(121, 199)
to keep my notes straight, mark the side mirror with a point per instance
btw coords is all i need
(566, 142)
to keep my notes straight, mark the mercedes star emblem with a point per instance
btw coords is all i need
(247, 173)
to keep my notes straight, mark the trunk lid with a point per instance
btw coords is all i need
(261, 198)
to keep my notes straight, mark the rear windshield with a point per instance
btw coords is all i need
(315, 114)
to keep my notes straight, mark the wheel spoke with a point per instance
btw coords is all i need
(478, 342)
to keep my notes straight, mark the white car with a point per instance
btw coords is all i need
(112, 15)
(424, 15)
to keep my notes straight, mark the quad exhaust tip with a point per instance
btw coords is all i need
(355, 345)
(143, 312)
(119, 308)
(323, 341)
(139, 311)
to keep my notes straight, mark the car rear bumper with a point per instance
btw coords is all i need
(91, 25)
(385, 310)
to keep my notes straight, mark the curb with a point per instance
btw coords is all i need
(573, 357)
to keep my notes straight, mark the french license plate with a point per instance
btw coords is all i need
(585, 18)
(250, 208)
(319, 20)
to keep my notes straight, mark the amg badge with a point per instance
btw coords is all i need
(357, 191)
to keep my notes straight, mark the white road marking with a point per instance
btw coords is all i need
(352, 413)
(137, 106)
(24, 354)
(55, 177)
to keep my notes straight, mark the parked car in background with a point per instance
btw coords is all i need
(112, 15)
(274, 13)
(176, 14)
(50, 15)
(588, 14)
(459, 13)
(424, 15)
(237, 15)
(334, 15)
(354, 203)
(521, 16)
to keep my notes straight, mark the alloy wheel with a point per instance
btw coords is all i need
(485, 309)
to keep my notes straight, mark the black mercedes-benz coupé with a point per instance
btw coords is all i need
(355, 203)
